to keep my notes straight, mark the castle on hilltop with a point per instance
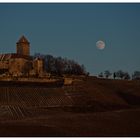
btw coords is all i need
(21, 63)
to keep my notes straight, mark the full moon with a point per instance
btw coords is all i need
(100, 44)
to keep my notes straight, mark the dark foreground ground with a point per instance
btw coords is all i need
(89, 107)
(60, 123)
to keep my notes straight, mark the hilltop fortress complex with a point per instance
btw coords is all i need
(21, 63)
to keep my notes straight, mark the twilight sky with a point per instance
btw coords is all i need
(72, 30)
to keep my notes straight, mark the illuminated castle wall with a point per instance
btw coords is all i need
(20, 63)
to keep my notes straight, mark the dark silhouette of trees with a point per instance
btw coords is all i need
(121, 75)
(49, 63)
(100, 75)
(114, 75)
(118, 74)
(126, 76)
(107, 73)
(136, 75)
(59, 65)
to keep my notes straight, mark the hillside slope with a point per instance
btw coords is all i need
(84, 94)
(104, 107)
(105, 94)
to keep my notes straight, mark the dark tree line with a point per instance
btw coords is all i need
(59, 65)
(120, 75)
(136, 75)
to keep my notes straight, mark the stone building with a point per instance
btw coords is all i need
(23, 46)
(38, 66)
(21, 63)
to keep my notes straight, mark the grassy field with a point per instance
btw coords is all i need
(88, 107)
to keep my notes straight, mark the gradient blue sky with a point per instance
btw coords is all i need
(72, 30)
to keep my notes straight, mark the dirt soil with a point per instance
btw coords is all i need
(62, 123)
(89, 107)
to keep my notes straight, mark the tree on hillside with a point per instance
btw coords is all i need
(126, 76)
(114, 75)
(59, 65)
(136, 75)
(107, 73)
(122, 75)
(100, 75)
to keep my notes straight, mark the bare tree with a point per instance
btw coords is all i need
(120, 74)
(126, 76)
(136, 75)
(114, 75)
(107, 73)
(59, 65)
(100, 75)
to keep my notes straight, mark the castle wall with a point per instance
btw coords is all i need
(4, 64)
(19, 66)
(21, 63)
(38, 66)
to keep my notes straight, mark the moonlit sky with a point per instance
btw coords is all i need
(72, 30)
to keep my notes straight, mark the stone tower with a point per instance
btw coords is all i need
(23, 46)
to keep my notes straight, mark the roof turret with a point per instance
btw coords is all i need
(23, 40)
